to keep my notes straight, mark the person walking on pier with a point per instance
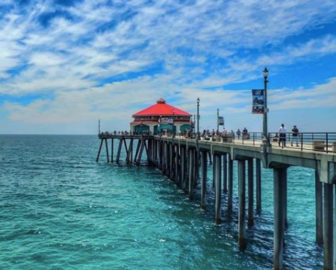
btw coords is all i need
(295, 133)
(282, 136)
(238, 133)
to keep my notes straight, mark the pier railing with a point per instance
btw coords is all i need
(309, 141)
(315, 141)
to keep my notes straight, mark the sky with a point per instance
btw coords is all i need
(64, 64)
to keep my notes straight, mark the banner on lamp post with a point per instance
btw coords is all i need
(258, 101)
(220, 120)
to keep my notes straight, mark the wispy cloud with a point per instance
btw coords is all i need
(96, 56)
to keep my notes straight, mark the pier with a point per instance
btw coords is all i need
(185, 161)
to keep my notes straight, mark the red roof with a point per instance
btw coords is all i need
(161, 108)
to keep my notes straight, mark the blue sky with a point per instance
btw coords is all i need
(64, 64)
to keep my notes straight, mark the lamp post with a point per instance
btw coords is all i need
(198, 117)
(217, 119)
(265, 137)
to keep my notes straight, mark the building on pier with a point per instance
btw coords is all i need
(161, 117)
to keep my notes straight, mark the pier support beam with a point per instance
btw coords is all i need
(159, 154)
(171, 163)
(230, 185)
(130, 151)
(280, 175)
(285, 200)
(250, 220)
(126, 151)
(162, 156)
(196, 167)
(328, 226)
(166, 160)
(136, 151)
(217, 160)
(191, 164)
(258, 185)
(318, 209)
(213, 171)
(176, 174)
(142, 146)
(119, 151)
(210, 158)
(225, 174)
(99, 150)
(111, 150)
(107, 152)
(182, 171)
(204, 178)
(241, 215)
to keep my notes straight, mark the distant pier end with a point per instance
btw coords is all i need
(161, 117)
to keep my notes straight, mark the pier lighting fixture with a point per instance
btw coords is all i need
(265, 72)
(265, 132)
(198, 117)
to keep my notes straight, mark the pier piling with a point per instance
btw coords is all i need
(328, 226)
(230, 185)
(225, 174)
(217, 161)
(204, 178)
(241, 215)
(258, 185)
(112, 150)
(190, 168)
(318, 209)
(213, 171)
(279, 223)
(250, 220)
(107, 151)
(182, 172)
(99, 150)
(176, 174)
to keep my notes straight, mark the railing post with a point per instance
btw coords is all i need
(327, 146)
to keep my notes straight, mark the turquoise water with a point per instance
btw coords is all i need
(59, 209)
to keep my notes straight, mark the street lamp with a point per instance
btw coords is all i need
(265, 137)
(217, 119)
(198, 117)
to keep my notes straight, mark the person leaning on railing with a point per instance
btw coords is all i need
(295, 136)
(282, 136)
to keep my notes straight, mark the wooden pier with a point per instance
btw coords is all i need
(185, 161)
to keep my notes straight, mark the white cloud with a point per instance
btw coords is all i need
(199, 48)
(119, 100)
(319, 96)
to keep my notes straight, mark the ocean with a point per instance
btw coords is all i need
(59, 209)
